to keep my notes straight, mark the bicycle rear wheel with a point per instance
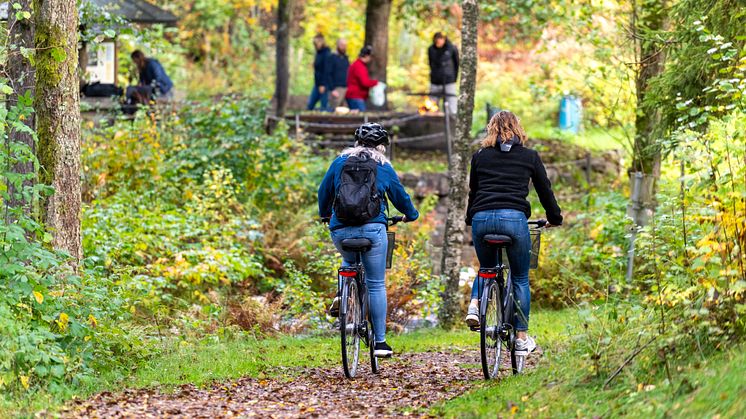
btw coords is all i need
(350, 319)
(491, 321)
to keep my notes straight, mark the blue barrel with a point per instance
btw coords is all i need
(570, 114)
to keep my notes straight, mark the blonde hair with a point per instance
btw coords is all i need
(378, 153)
(503, 126)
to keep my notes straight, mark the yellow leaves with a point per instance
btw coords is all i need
(201, 297)
(645, 387)
(24, 381)
(595, 232)
(63, 321)
(92, 320)
(39, 297)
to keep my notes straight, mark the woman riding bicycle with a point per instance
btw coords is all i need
(370, 143)
(498, 187)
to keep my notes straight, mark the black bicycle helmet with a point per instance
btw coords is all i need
(371, 134)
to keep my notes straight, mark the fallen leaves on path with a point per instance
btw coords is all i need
(406, 385)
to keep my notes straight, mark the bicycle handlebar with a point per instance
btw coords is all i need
(538, 223)
(395, 220)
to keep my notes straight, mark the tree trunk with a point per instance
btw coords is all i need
(649, 17)
(21, 77)
(282, 55)
(457, 170)
(57, 105)
(377, 35)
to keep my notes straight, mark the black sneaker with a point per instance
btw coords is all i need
(383, 350)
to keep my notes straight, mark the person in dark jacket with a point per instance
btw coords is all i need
(338, 66)
(443, 58)
(359, 82)
(498, 187)
(152, 74)
(370, 142)
(320, 75)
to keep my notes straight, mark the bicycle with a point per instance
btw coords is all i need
(497, 310)
(355, 323)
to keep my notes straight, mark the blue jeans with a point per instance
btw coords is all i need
(356, 104)
(513, 224)
(316, 97)
(374, 262)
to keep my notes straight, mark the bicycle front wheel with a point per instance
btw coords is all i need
(489, 330)
(350, 319)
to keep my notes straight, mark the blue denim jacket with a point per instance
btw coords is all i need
(388, 186)
(154, 72)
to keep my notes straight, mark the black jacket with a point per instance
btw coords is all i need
(499, 180)
(337, 66)
(443, 63)
(320, 73)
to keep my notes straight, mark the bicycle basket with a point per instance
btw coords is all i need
(391, 236)
(535, 248)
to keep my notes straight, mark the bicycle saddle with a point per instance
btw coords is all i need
(497, 239)
(356, 245)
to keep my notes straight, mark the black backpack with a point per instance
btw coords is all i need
(357, 199)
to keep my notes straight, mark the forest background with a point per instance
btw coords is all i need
(199, 228)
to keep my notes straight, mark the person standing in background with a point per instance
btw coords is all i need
(338, 66)
(359, 81)
(320, 74)
(443, 58)
(152, 74)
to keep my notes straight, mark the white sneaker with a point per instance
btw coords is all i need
(472, 316)
(525, 346)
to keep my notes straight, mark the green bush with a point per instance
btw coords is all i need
(54, 322)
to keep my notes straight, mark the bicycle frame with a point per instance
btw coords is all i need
(356, 273)
(497, 274)
(491, 280)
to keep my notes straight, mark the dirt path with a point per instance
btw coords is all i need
(407, 384)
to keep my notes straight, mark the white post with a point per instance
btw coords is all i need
(635, 208)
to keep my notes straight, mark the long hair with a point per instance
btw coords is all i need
(378, 153)
(504, 126)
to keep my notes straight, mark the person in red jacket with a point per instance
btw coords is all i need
(358, 80)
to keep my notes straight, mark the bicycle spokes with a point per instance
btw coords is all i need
(350, 320)
(491, 327)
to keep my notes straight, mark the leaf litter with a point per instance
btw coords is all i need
(407, 385)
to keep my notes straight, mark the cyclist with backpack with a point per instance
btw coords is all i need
(353, 193)
(498, 186)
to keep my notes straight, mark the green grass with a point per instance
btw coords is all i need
(592, 138)
(203, 362)
(208, 360)
(563, 386)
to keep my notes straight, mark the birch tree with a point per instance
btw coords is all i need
(457, 169)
